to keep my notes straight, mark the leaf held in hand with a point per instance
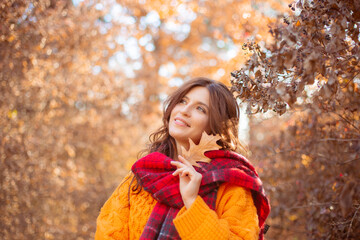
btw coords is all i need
(196, 152)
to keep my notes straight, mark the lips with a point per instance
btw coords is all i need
(181, 121)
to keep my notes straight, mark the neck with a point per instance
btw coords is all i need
(179, 149)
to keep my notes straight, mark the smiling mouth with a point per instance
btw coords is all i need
(181, 122)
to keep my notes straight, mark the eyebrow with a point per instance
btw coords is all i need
(199, 102)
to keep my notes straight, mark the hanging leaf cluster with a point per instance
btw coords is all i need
(309, 157)
(317, 45)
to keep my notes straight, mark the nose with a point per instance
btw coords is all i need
(185, 110)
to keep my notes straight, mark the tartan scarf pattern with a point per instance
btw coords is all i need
(154, 172)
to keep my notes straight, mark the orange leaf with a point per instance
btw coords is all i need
(196, 152)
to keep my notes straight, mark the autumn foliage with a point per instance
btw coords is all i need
(309, 156)
(59, 123)
(81, 84)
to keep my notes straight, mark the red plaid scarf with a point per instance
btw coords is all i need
(154, 172)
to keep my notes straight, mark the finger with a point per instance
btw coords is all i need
(186, 173)
(189, 172)
(177, 164)
(178, 171)
(184, 161)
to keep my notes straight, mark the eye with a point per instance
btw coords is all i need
(182, 101)
(202, 109)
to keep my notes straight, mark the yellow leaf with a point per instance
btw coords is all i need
(334, 187)
(12, 114)
(305, 160)
(11, 38)
(70, 150)
(293, 217)
(356, 117)
(196, 152)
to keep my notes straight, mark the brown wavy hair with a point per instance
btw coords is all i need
(223, 119)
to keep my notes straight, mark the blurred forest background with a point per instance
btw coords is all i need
(82, 83)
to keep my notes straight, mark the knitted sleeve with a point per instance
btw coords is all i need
(235, 217)
(112, 223)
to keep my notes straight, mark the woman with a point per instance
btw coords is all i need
(165, 197)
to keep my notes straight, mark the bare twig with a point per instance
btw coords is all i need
(346, 120)
(340, 139)
(340, 223)
(312, 205)
(355, 159)
(350, 80)
(348, 232)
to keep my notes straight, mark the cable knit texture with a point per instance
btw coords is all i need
(235, 216)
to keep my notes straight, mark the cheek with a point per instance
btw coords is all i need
(172, 113)
(204, 124)
(207, 125)
(174, 110)
(207, 128)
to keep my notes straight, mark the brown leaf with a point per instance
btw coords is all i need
(196, 152)
(346, 196)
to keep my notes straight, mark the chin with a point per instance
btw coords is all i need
(176, 133)
(177, 138)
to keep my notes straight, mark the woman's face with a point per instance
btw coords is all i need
(190, 117)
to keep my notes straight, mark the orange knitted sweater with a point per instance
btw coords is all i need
(234, 217)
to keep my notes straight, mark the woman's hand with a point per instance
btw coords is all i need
(189, 180)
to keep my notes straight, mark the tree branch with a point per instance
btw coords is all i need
(348, 232)
(355, 159)
(312, 205)
(346, 120)
(339, 139)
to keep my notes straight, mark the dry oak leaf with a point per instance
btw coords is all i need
(196, 152)
(346, 198)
